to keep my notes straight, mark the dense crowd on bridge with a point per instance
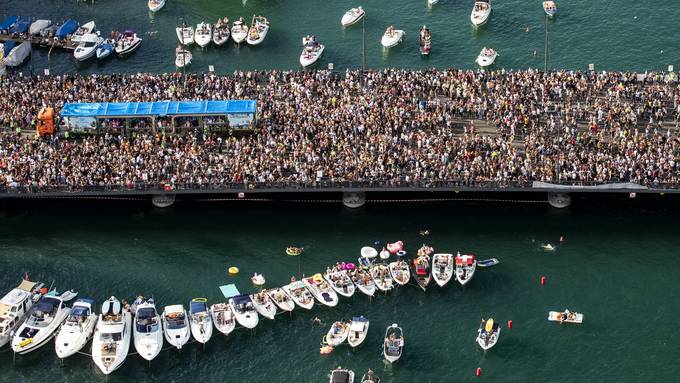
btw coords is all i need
(388, 126)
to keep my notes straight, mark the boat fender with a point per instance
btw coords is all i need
(479, 371)
(543, 280)
(233, 270)
(510, 324)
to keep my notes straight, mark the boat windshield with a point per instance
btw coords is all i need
(115, 336)
(175, 322)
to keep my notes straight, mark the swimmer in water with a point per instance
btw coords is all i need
(526, 29)
(317, 322)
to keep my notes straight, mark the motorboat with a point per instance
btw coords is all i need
(111, 340)
(369, 252)
(548, 247)
(392, 37)
(362, 279)
(182, 57)
(18, 54)
(337, 334)
(156, 5)
(67, 28)
(488, 334)
(148, 330)
(341, 375)
(263, 304)
(425, 41)
(341, 282)
(176, 326)
(486, 57)
(243, 309)
(14, 307)
(223, 318)
(550, 8)
(258, 30)
(85, 29)
(488, 262)
(185, 35)
(299, 293)
(421, 270)
(105, 49)
(221, 31)
(127, 44)
(203, 34)
(41, 325)
(465, 268)
(382, 277)
(352, 16)
(68, 295)
(199, 320)
(77, 330)
(321, 290)
(311, 51)
(393, 346)
(565, 316)
(358, 328)
(480, 12)
(294, 251)
(400, 272)
(38, 26)
(281, 299)
(239, 31)
(432, 2)
(87, 47)
(442, 268)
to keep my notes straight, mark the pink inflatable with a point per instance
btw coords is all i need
(393, 248)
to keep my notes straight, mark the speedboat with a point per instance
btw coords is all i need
(258, 30)
(465, 268)
(321, 290)
(432, 2)
(282, 300)
(442, 270)
(87, 47)
(425, 41)
(83, 30)
(223, 318)
(400, 272)
(263, 304)
(382, 277)
(311, 51)
(393, 345)
(111, 340)
(550, 8)
(361, 277)
(156, 5)
(221, 31)
(358, 328)
(341, 283)
(488, 334)
(148, 330)
(182, 57)
(486, 57)
(14, 306)
(337, 334)
(127, 43)
(342, 375)
(243, 309)
(185, 35)
(41, 325)
(38, 26)
(203, 34)
(105, 49)
(565, 316)
(239, 31)
(392, 37)
(370, 377)
(421, 270)
(77, 330)
(176, 326)
(369, 252)
(199, 320)
(480, 12)
(352, 16)
(299, 293)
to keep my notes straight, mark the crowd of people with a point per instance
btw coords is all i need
(387, 127)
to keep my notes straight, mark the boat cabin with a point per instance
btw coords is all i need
(13, 307)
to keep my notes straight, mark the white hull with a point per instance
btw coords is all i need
(335, 338)
(281, 299)
(148, 336)
(492, 340)
(485, 61)
(38, 26)
(84, 53)
(203, 37)
(41, 335)
(123, 49)
(480, 13)
(185, 35)
(260, 38)
(343, 284)
(352, 16)
(556, 316)
(465, 274)
(369, 252)
(179, 333)
(110, 362)
(247, 318)
(388, 41)
(365, 286)
(183, 59)
(220, 37)
(155, 6)
(309, 59)
(400, 272)
(357, 332)
(201, 328)
(324, 294)
(72, 337)
(264, 307)
(223, 318)
(442, 268)
(239, 32)
(299, 293)
(382, 277)
(392, 351)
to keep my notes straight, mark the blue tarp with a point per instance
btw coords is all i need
(8, 46)
(8, 22)
(158, 108)
(229, 291)
(66, 29)
(21, 26)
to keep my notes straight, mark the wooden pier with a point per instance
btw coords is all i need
(43, 42)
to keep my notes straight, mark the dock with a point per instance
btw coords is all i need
(39, 41)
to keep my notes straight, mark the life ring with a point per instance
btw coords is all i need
(233, 270)
(318, 278)
(401, 253)
(350, 266)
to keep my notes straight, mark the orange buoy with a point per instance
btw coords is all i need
(479, 371)
(543, 280)
(510, 323)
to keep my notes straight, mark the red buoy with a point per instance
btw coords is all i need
(510, 324)
(543, 280)
(479, 371)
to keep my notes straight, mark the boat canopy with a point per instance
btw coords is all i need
(241, 299)
(8, 22)
(26, 285)
(340, 376)
(198, 305)
(21, 26)
(47, 305)
(80, 311)
(84, 302)
(229, 291)
(66, 29)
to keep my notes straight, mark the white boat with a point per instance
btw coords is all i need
(400, 272)
(83, 30)
(77, 330)
(358, 328)
(128, 43)
(486, 57)
(148, 330)
(382, 277)
(299, 293)
(363, 281)
(18, 54)
(41, 325)
(182, 57)
(321, 290)
(341, 283)
(342, 375)
(480, 12)
(221, 32)
(156, 5)
(111, 340)
(311, 51)
(185, 35)
(425, 40)
(38, 26)
(243, 309)
(550, 8)
(105, 49)
(203, 34)
(176, 326)
(239, 31)
(282, 300)
(337, 334)
(14, 307)
(68, 295)
(565, 316)
(352, 16)
(199, 320)
(393, 346)
(548, 247)
(223, 318)
(465, 267)
(263, 304)
(258, 30)
(392, 37)
(442, 268)
(87, 47)
(432, 2)
(488, 334)
(369, 252)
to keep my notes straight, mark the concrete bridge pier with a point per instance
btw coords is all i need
(353, 199)
(163, 200)
(559, 200)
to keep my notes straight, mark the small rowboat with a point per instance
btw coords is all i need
(488, 262)
(394, 343)
(442, 270)
(565, 316)
(400, 272)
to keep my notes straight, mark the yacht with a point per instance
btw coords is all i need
(243, 309)
(486, 57)
(87, 47)
(14, 306)
(480, 12)
(201, 324)
(111, 340)
(41, 326)
(77, 330)
(176, 326)
(352, 16)
(148, 330)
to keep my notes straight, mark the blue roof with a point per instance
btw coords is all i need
(9, 21)
(197, 307)
(66, 29)
(21, 26)
(158, 108)
(242, 299)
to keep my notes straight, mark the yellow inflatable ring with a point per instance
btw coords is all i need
(318, 278)
(233, 270)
